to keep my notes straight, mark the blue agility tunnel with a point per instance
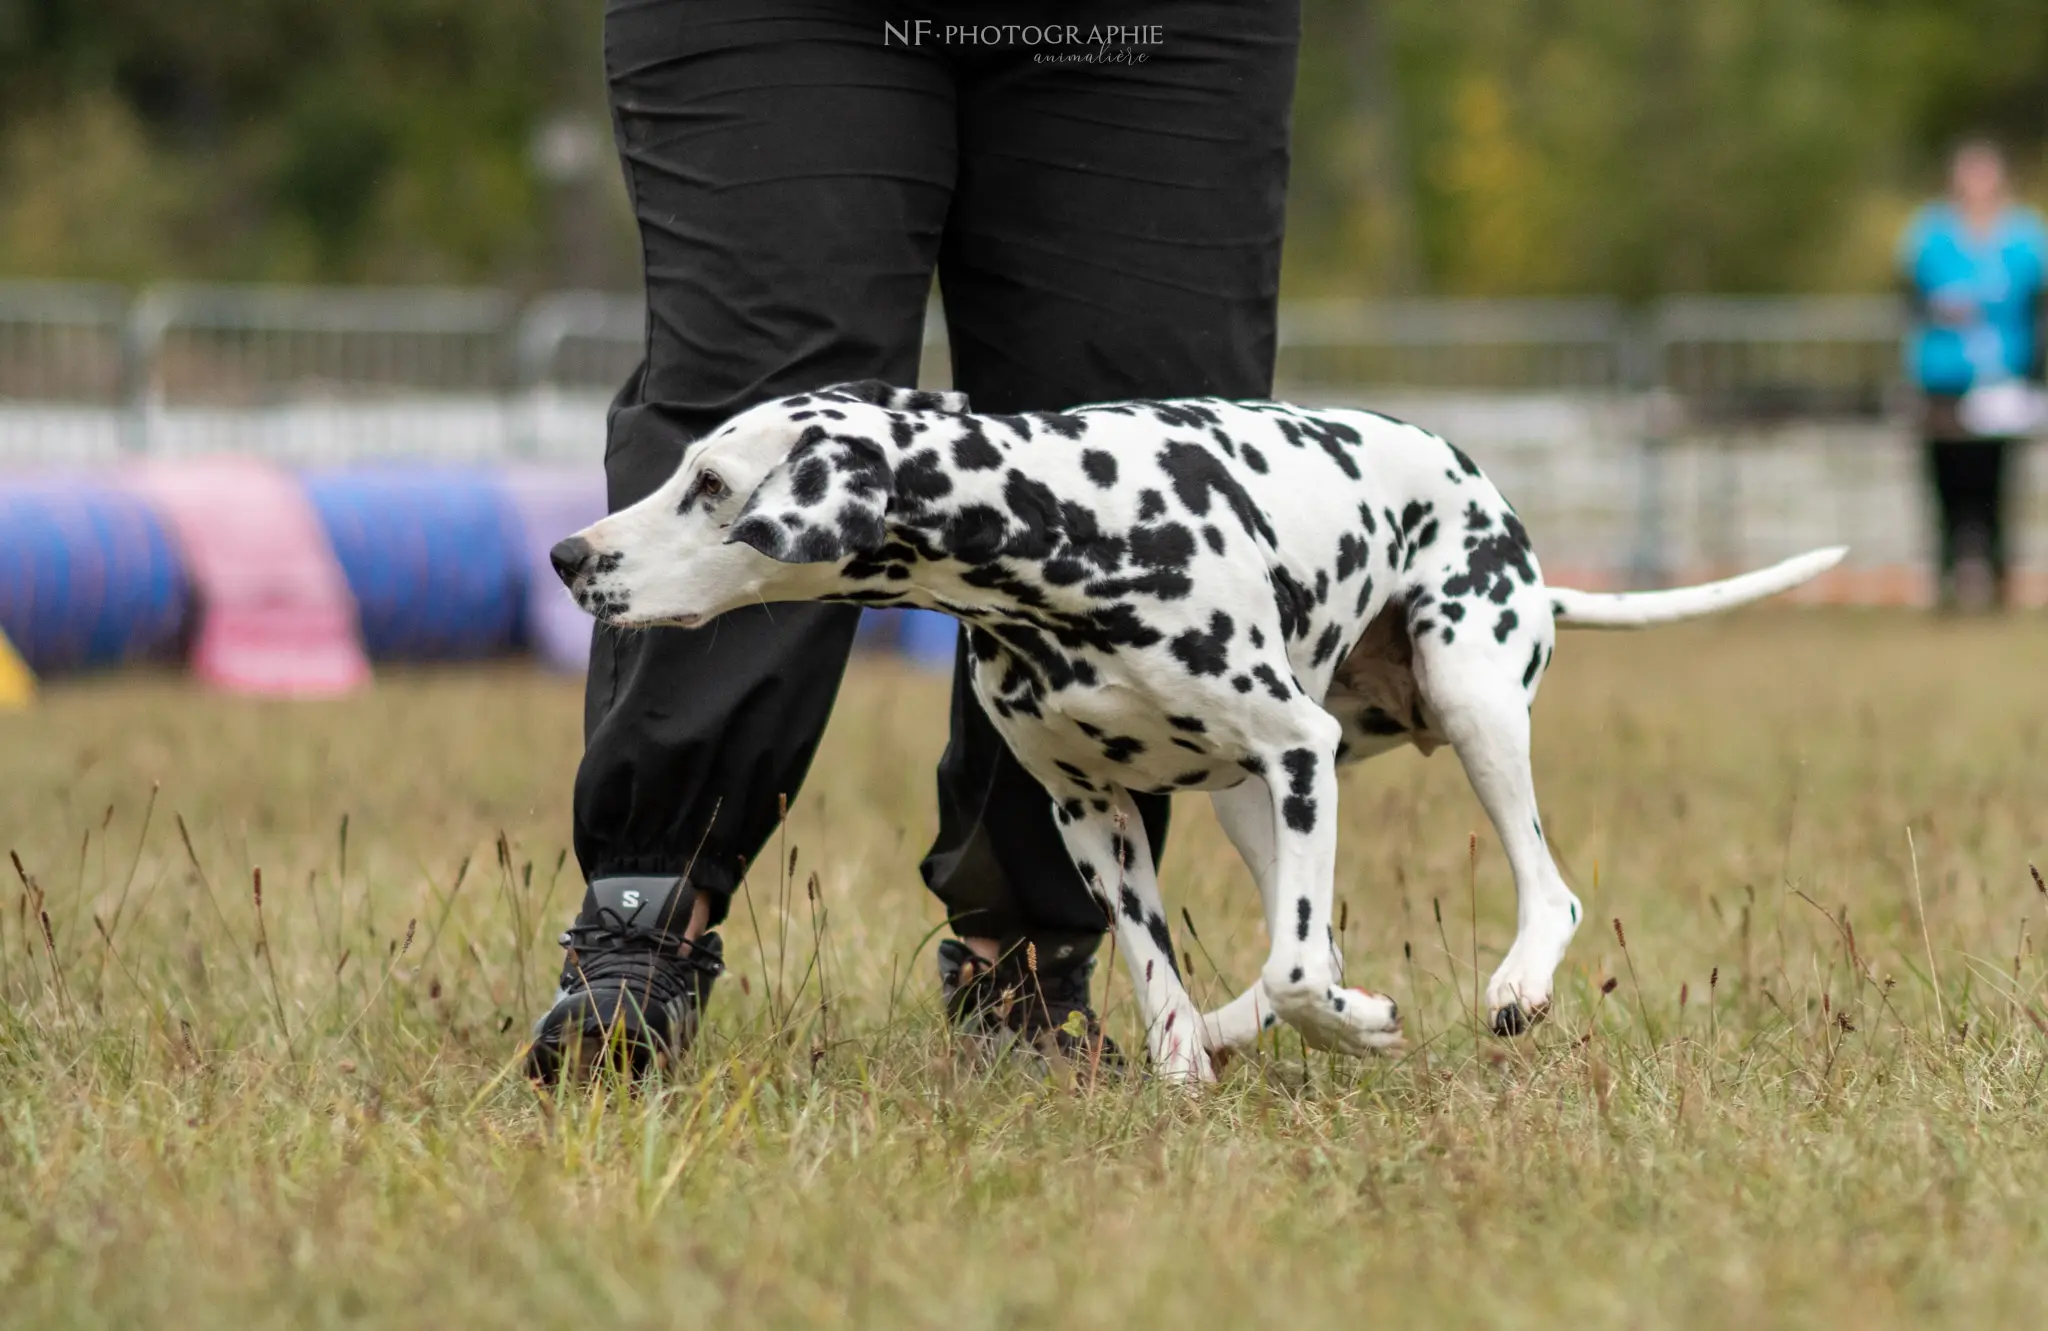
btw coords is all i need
(433, 556)
(88, 576)
(443, 563)
(925, 637)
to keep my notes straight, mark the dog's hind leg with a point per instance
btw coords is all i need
(1478, 693)
(1284, 824)
(1246, 813)
(1114, 858)
(1239, 1023)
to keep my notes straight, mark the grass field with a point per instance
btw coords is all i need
(303, 1114)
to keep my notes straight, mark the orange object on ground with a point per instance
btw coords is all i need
(17, 683)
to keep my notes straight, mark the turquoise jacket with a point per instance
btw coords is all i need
(2000, 276)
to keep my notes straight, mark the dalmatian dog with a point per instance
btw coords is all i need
(1233, 597)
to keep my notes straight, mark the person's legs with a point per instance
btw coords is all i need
(1996, 469)
(791, 175)
(1115, 233)
(1969, 486)
(1946, 471)
(1934, 455)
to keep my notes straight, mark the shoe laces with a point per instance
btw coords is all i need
(655, 967)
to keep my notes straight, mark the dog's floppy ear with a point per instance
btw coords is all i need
(821, 504)
(876, 393)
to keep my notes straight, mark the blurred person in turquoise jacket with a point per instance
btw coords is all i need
(1974, 266)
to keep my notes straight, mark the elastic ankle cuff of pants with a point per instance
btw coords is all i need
(653, 903)
(1057, 948)
(1056, 951)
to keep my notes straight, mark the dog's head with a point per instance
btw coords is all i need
(768, 507)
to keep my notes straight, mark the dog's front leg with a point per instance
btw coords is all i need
(1302, 977)
(1114, 858)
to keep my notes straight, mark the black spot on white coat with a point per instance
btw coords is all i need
(1299, 808)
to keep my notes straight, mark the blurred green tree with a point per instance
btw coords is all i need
(381, 140)
(1457, 146)
(1562, 146)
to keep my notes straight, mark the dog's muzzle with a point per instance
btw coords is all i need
(572, 559)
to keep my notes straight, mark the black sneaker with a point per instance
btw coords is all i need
(632, 989)
(1011, 1005)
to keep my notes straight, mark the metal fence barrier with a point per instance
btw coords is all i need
(1748, 360)
(1493, 346)
(61, 342)
(311, 374)
(1693, 436)
(65, 366)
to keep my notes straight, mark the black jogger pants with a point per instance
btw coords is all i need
(799, 170)
(1969, 478)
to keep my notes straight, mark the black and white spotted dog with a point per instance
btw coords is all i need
(1233, 597)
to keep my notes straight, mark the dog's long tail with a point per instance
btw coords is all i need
(1634, 610)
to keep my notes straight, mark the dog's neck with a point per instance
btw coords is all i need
(973, 550)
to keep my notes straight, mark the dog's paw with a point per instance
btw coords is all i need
(1184, 1066)
(1514, 1007)
(1349, 1021)
(1516, 1001)
(1516, 1018)
(1178, 1054)
(1518, 995)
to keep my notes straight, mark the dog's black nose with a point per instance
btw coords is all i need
(570, 558)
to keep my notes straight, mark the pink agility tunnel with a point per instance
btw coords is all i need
(290, 584)
(275, 615)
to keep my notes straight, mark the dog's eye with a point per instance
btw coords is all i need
(710, 486)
